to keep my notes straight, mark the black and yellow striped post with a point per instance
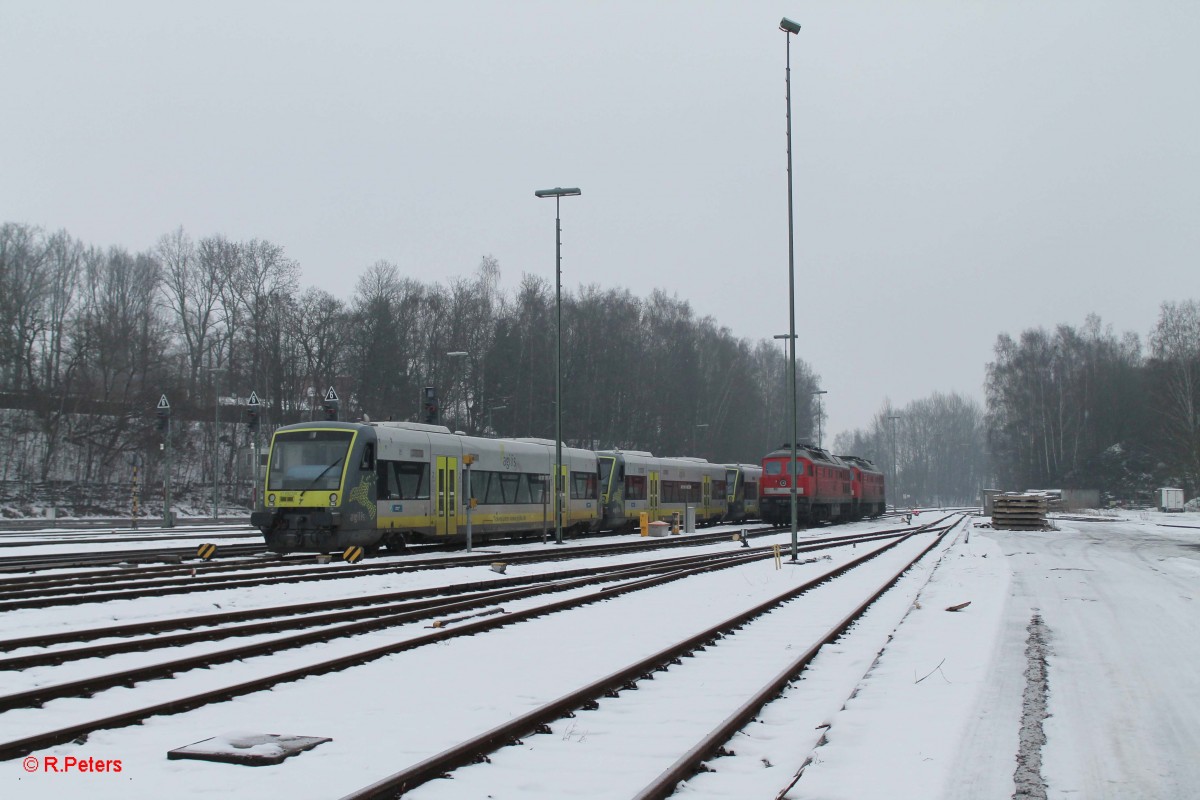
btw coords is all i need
(353, 554)
(206, 551)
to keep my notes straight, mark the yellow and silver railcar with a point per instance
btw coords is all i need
(741, 482)
(633, 482)
(332, 485)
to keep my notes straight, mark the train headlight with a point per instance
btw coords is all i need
(270, 499)
(333, 499)
(783, 482)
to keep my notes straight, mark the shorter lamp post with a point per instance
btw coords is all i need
(457, 354)
(818, 393)
(492, 430)
(216, 371)
(895, 477)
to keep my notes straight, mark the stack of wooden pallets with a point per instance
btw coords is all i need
(1019, 512)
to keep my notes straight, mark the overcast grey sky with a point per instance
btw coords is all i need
(961, 168)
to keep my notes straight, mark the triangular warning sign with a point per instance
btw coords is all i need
(162, 402)
(253, 401)
(331, 395)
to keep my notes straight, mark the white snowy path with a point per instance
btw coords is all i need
(1121, 602)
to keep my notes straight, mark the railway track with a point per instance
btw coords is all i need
(578, 590)
(555, 722)
(79, 588)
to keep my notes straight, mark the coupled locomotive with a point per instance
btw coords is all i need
(829, 488)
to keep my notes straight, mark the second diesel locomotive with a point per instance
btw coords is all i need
(828, 488)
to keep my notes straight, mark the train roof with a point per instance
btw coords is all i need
(806, 451)
(861, 463)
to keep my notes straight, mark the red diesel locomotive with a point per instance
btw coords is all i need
(828, 488)
(868, 498)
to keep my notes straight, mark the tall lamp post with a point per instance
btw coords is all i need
(789, 29)
(557, 193)
(895, 482)
(818, 393)
(457, 354)
(216, 371)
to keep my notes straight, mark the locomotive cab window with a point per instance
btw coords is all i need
(308, 460)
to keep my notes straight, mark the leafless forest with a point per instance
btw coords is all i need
(91, 337)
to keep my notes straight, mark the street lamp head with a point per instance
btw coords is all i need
(559, 192)
(457, 354)
(820, 391)
(787, 26)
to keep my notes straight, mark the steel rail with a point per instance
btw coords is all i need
(385, 608)
(710, 745)
(364, 606)
(67, 595)
(24, 746)
(472, 750)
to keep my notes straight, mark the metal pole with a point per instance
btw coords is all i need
(168, 520)
(791, 296)
(469, 503)
(558, 536)
(216, 438)
(557, 193)
(895, 481)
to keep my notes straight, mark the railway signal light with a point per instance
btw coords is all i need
(163, 412)
(429, 404)
(252, 412)
(330, 404)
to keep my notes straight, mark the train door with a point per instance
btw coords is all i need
(652, 502)
(706, 496)
(446, 511)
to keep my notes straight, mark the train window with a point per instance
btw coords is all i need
(523, 495)
(773, 467)
(495, 492)
(606, 468)
(387, 486)
(751, 490)
(412, 478)
(508, 485)
(811, 470)
(635, 487)
(719, 488)
(368, 458)
(479, 482)
(583, 486)
(306, 460)
(539, 488)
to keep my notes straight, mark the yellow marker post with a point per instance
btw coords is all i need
(778, 565)
(645, 518)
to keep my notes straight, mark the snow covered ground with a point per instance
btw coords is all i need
(940, 712)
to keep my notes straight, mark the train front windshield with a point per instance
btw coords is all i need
(307, 460)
